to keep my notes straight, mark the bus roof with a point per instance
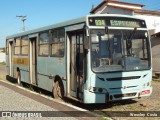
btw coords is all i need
(49, 27)
(66, 23)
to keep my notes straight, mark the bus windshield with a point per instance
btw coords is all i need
(119, 50)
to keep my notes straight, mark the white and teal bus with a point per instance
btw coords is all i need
(93, 59)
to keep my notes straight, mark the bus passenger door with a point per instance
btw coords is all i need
(11, 58)
(33, 60)
(76, 64)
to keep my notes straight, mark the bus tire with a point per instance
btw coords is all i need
(58, 90)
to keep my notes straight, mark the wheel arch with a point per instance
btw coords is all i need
(55, 79)
(18, 73)
(18, 76)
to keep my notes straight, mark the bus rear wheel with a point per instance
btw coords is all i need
(58, 90)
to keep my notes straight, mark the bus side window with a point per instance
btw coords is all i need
(44, 44)
(117, 51)
(25, 44)
(57, 43)
(17, 46)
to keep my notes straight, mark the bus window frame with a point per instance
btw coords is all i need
(51, 42)
(17, 46)
(40, 44)
(24, 45)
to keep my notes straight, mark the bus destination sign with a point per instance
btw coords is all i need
(100, 22)
(121, 23)
(116, 22)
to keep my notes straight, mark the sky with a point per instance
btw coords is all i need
(45, 12)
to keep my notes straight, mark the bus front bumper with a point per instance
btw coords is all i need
(90, 97)
(129, 94)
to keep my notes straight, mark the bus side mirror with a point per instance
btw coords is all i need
(86, 42)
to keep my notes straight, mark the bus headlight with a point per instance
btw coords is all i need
(97, 90)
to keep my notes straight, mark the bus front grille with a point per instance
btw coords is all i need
(117, 88)
(123, 78)
(124, 95)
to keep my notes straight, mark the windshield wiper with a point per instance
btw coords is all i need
(132, 34)
(129, 42)
(99, 34)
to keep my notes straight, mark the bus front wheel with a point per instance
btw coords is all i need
(58, 90)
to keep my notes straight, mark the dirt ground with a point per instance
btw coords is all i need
(151, 103)
(2, 71)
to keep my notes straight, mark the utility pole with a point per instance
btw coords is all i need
(92, 7)
(23, 18)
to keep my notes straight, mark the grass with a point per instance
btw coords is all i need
(2, 63)
(105, 118)
(30, 87)
(2, 71)
(156, 80)
(2, 76)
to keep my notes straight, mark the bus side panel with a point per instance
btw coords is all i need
(7, 64)
(23, 66)
(57, 66)
(25, 76)
(15, 71)
(42, 75)
(49, 66)
(15, 66)
(7, 57)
